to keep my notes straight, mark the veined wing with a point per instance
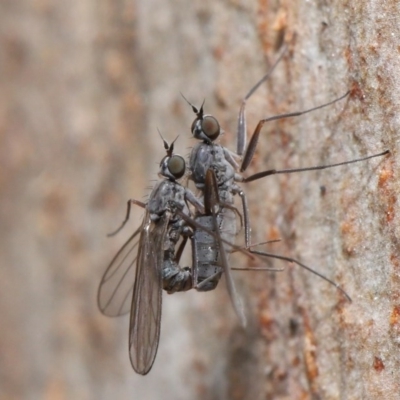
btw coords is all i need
(114, 296)
(211, 199)
(145, 320)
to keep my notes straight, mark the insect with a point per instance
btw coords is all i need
(208, 157)
(152, 248)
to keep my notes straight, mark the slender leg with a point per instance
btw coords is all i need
(247, 230)
(241, 129)
(246, 218)
(195, 275)
(292, 260)
(258, 244)
(205, 281)
(263, 174)
(235, 210)
(254, 139)
(180, 250)
(128, 212)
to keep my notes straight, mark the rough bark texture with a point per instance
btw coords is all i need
(84, 86)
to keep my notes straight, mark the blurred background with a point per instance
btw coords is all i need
(84, 87)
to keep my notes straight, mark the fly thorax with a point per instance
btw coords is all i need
(160, 196)
(203, 157)
(179, 197)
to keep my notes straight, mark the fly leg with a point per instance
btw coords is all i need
(242, 126)
(254, 139)
(247, 230)
(128, 213)
(263, 174)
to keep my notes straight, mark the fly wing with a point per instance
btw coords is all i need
(116, 287)
(145, 320)
(211, 200)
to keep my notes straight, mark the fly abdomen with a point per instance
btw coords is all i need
(206, 255)
(175, 278)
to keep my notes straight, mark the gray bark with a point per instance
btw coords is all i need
(84, 87)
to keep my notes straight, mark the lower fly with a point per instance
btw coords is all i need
(152, 250)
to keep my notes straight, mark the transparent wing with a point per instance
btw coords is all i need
(114, 296)
(210, 201)
(145, 320)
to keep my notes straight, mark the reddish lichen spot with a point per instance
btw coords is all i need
(388, 196)
(199, 366)
(390, 209)
(384, 176)
(346, 227)
(349, 233)
(218, 52)
(273, 233)
(280, 374)
(263, 24)
(378, 364)
(265, 319)
(304, 395)
(280, 26)
(395, 316)
(395, 261)
(309, 352)
(266, 324)
(296, 361)
(347, 54)
(356, 91)
(395, 276)
(310, 355)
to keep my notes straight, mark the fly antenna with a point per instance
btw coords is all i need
(166, 145)
(171, 147)
(198, 112)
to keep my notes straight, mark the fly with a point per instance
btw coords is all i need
(209, 158)
(152, 248)
(149, 261)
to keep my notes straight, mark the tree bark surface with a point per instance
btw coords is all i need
(84, 87)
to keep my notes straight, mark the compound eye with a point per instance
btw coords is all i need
(210, 127)
(176, 166)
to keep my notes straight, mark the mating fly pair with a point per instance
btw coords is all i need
(149, 261)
